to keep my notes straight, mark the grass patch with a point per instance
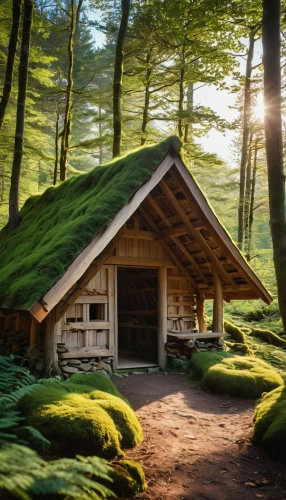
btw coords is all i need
(270, 423)
(224, 373)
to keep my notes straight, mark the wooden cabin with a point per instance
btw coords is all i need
(122, 255)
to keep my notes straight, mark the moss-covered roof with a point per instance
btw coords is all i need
(57, 225)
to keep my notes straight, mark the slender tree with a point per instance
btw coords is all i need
(66, 133)
(245, 135)
(273, 145)
(20, 117)
(8, 82)
(117, 79)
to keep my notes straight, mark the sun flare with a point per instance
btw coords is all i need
(258, 108)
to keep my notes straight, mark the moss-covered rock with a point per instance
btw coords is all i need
(235, 332)
(268, 336)
(128, 477)
(270, 423)
(122, 415)
(73, 423)
(224, 373)
(96, 381)
(243, 349)
(78, 419)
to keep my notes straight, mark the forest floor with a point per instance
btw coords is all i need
(197, 445)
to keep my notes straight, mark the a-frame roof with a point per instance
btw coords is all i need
(66, 228)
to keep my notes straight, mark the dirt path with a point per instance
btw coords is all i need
(197, 444)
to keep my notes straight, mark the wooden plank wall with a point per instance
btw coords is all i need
(133, 247)
(181, 302)
(85, 328)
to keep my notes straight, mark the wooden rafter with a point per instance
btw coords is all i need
(165, 245)
(218, 267)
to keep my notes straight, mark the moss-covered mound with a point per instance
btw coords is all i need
(270, 423)
(235, 332)
(243, 349)
(78, 419)
(224, 373)
(128, 477)
(57, 225)
(268, 336)
(95, 381)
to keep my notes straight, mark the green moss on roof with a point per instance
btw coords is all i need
(56, 226)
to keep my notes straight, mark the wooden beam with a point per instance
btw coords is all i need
(51, 356)
(200, 314)
(162, 317)
(165, 245)
(139, 261)
(191, 259)
(84, 353)
(172, 231)
(91, 271)
(86, 325)
(34, 339)
(218, 267)
(218, 305)
(190, 189)
(141, 235)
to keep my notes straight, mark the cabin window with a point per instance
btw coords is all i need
(97, 312)
(75, 313)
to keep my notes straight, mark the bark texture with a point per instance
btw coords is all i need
(273, 145)
(66, 134)
(245, 136)
(147, 98)
(117, 79)
(8, 81)
(20, 117)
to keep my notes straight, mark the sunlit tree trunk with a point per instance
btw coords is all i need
(66, 134)
(273, 144)
(20, 116)
(251, 205)
(56, 142)
(181, 98)
(8, 81)
(117, 79)
(245, 137)
(147, 98)
(247, 192)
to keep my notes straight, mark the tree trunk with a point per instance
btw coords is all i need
(247, 193)
(181, 99)
(8, 81)
(66, 135)
(20, 117)
(147, 98)
(251, 205)
(245, 135)
(273, 144)
(56, 142)
(117, 79)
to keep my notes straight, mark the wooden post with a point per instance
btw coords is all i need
(162, 316)
(218, 305)
(51, 355)
(200, 313)
(34, 339)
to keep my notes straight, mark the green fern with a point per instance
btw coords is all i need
(24, 475)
